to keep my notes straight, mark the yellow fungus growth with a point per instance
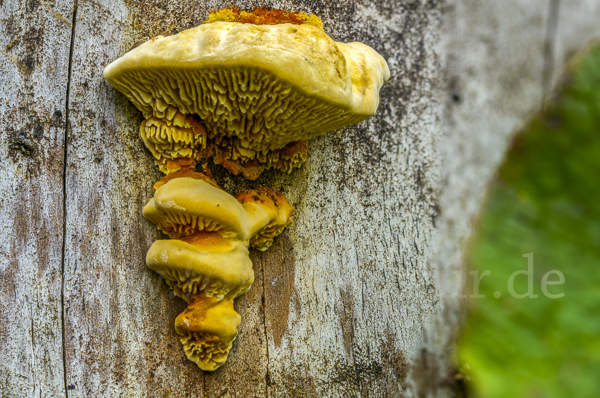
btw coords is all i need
(216, 268)
(263, 16)
(186, 206)
(247, 90)
(186, 172)
(269, 213)
(207, 328)
(207, 263)
(175, 140)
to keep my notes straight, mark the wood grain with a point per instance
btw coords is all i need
(34, 61)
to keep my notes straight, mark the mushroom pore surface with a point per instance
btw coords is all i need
(248, 95)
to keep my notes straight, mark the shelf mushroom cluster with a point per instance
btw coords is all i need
(247, 90)
(206, 262)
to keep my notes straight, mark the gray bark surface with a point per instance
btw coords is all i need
(34, 62)
(358, 297)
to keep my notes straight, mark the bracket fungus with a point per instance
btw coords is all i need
(247, 89)
(207, 262)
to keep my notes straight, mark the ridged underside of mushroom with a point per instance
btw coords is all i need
(264, 238)
(206, 329)
(187, 206)
(256, 88)
(178, 225)
(212, 267)
(238, 160)
(263, 111)
(206, 351)
(176, 143)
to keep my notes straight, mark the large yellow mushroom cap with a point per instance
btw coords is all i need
(257, 88)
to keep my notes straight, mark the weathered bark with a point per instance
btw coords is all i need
(359, 297)
(34, 61)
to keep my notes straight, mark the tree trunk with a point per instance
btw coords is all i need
(359, 297)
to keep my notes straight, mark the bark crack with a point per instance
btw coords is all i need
(65, 155)
(268, 376)
(549, 46)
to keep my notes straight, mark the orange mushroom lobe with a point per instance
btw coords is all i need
(263, 16)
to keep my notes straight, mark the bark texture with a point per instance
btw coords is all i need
(359, 297)
(34, 62)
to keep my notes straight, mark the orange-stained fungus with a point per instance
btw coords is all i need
(263, 16)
